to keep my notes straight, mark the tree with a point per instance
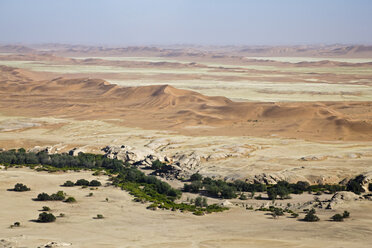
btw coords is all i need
(157, 165)
(19, 187)
(311, 217)
(196, 177)
(272, 193)
(201, 202)
(337, 217)
(46, 217)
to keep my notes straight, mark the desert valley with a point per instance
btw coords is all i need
(192, 116)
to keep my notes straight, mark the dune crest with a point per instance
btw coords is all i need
(167, 108)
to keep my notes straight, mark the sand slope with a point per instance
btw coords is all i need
(167, 108)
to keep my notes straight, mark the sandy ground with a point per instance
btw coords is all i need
(129, 224)
(232, 157)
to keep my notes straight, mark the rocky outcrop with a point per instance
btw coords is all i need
(273, 178)
(340, 198)
(366, 180)
(181, 166)
(37, 149)
(144, 156)
(56, 244)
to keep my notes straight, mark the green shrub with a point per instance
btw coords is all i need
(70, 200)
(46, 217)
(311, 217)
(196, 177)
(346, 214)
(294, 215)
(45, 208)
(243, 197)
(19, 187)
(337, 217)
(198, 213)
(157, 165)
(82, 182)
(95, 183)
(59, 196)
(99, 216)
(68, 184)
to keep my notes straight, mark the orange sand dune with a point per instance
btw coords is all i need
(167, 108)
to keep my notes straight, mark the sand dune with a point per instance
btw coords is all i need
(167, 108)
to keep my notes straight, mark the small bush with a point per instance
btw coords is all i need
(243, 197)
(45, 208)
(46, 217)
(82, 182)
(68, 184)
(311, 217)
(196, 177)
(99, 216)
(62, 215)
(346, 214)
(19, 187)
(95, 183)
(59, 196)
(337, 217)
(294, 215)
(90, 194)
(70, 200)
(198, 213)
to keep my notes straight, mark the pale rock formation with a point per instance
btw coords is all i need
(340, 198)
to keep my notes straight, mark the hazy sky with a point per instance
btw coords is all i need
(130, 22)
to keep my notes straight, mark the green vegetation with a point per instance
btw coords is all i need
(228, 190)
(82, 182)
(99, 216)
(45, 208)
(95, 183)
(337, 217)
(157, 165)
(310, 216)
(46, 217)
(59, 196)
(355, 185)
(144, 188)
(346, 214)
(19, 187)
(16, 224)
(70, 200)
(68, 184)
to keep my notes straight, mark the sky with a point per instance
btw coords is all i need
(169, 22)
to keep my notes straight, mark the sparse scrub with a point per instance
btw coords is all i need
(45, 208)
(19, 187)
(310, 216)
(46, 217)
(68, 184)
(70, 200)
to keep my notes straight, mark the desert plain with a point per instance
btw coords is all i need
(294, 113)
